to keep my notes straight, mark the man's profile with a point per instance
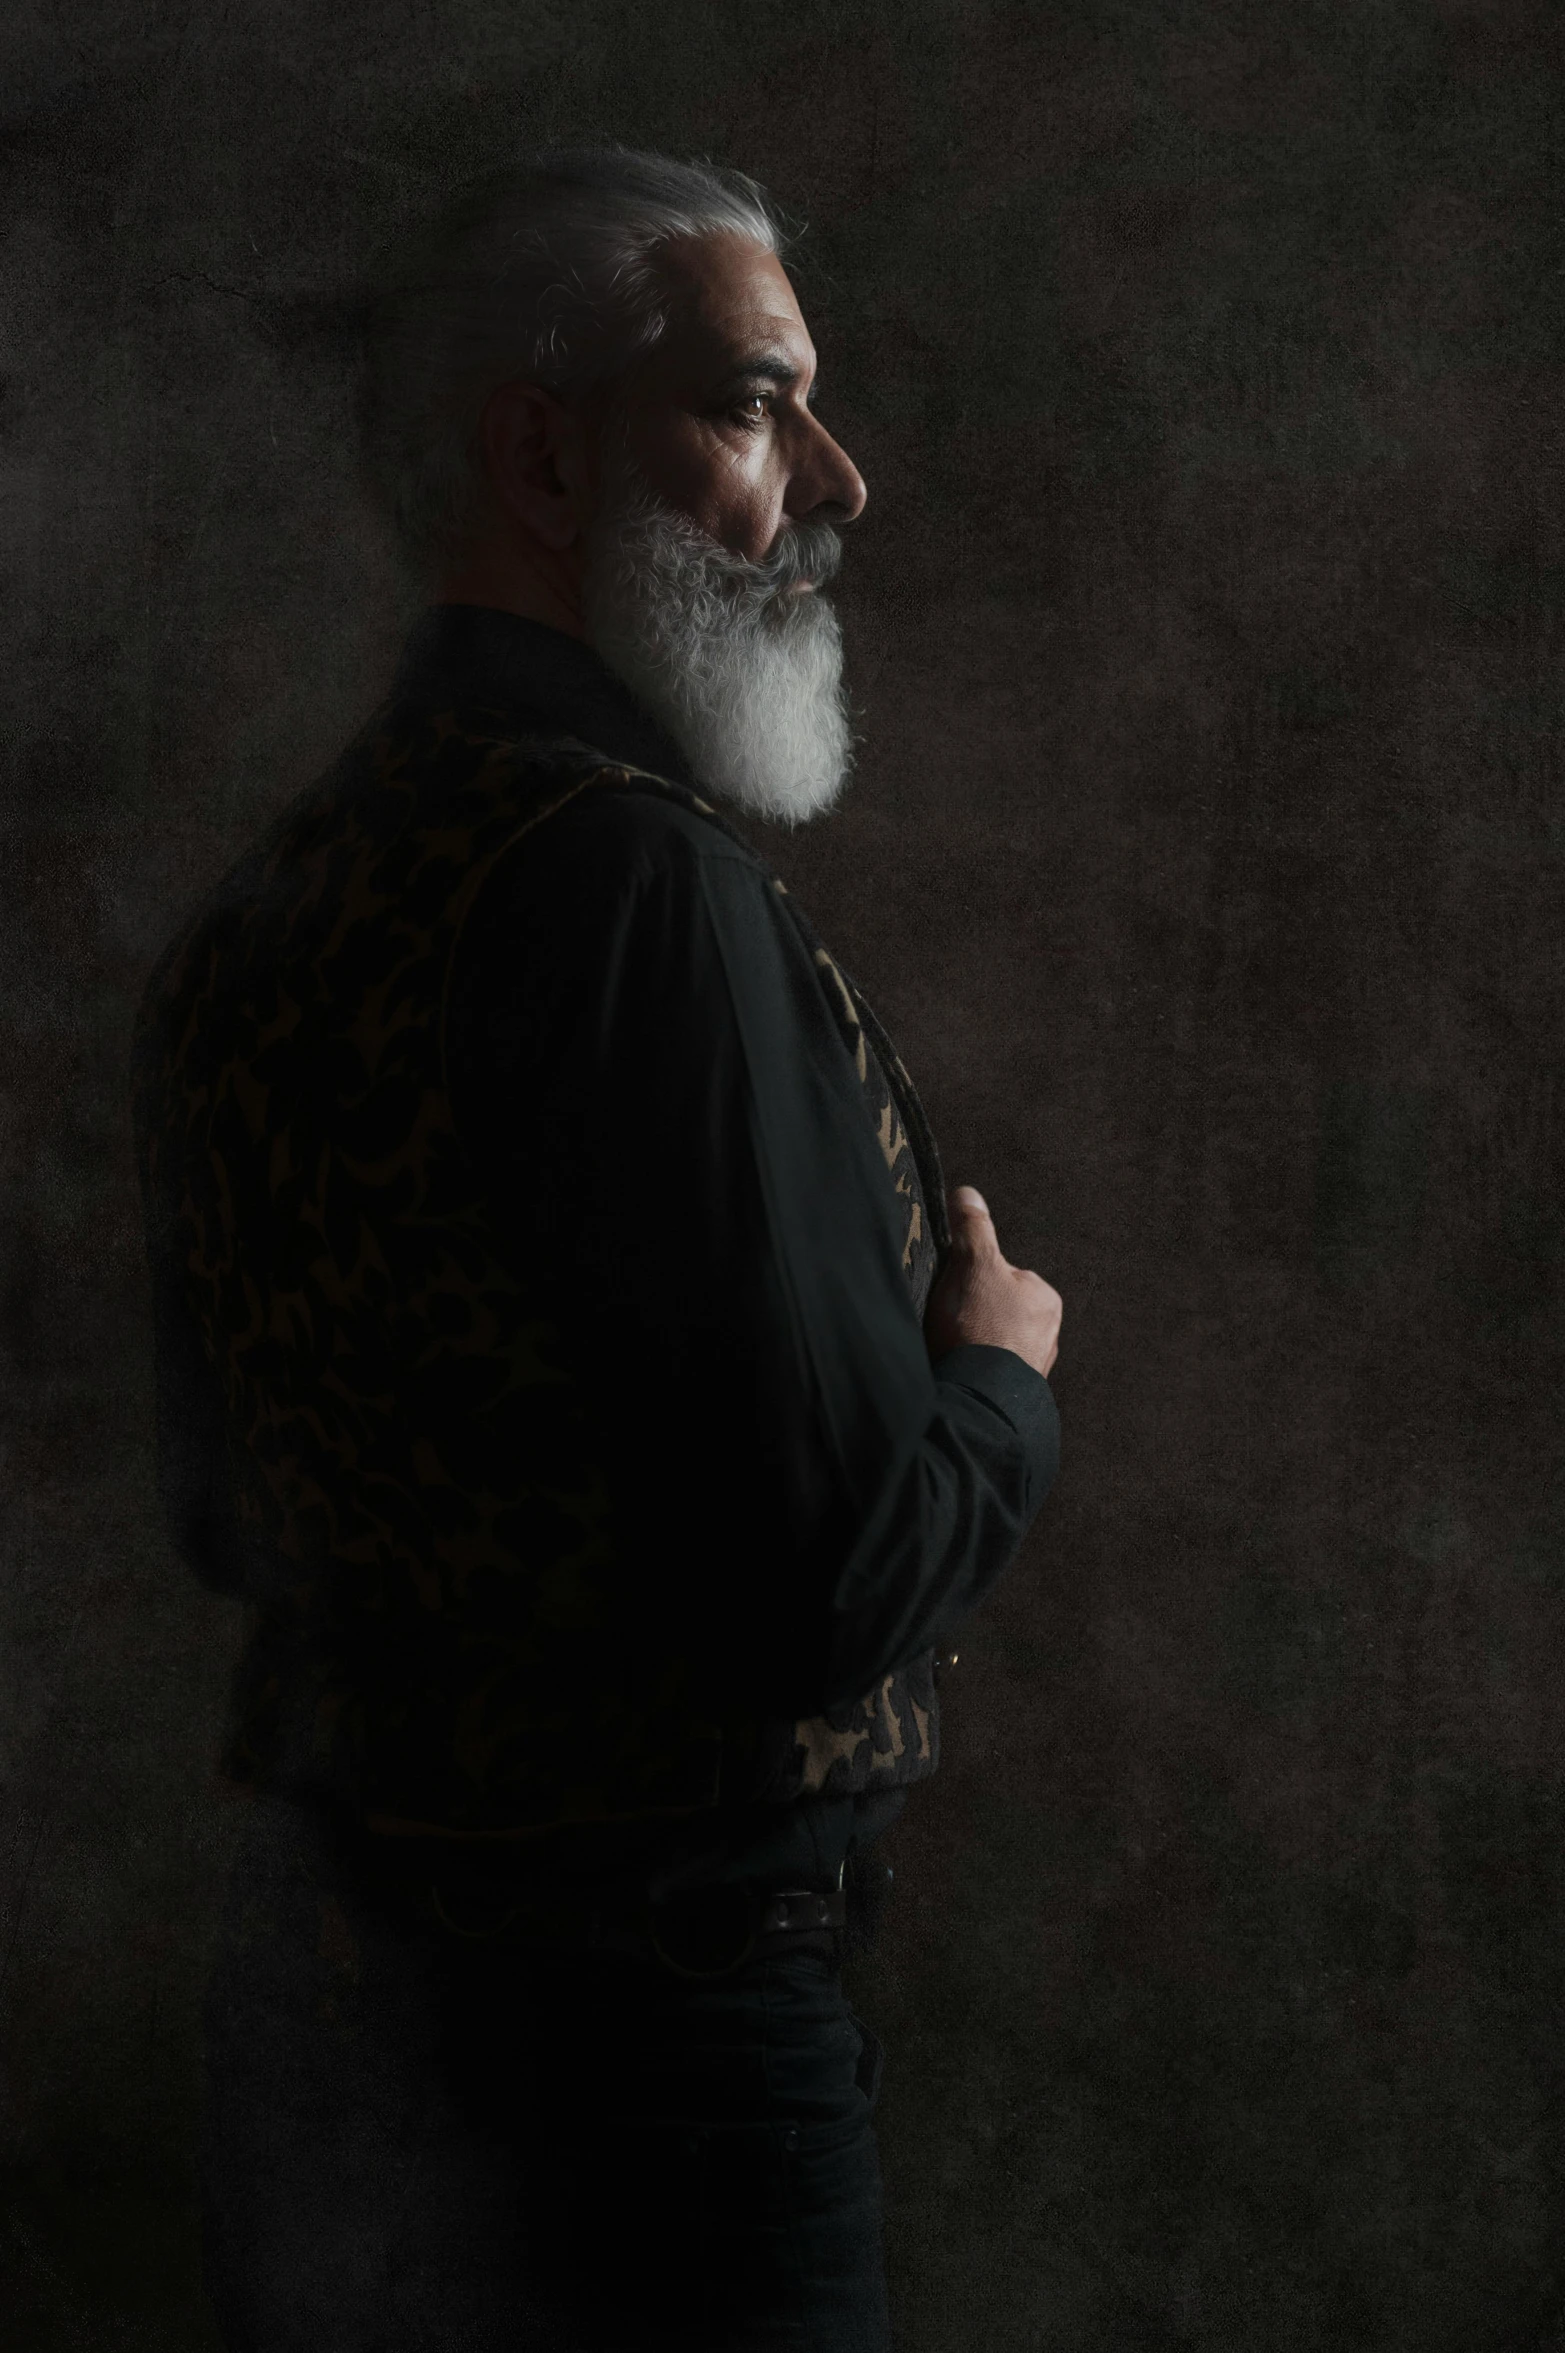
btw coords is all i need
(568, 1351)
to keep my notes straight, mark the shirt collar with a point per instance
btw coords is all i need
(462, 656)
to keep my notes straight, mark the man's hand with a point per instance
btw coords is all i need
(981, 1300)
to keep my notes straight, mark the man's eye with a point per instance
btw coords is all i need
(753, 409)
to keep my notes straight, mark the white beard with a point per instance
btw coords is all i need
(741, 670)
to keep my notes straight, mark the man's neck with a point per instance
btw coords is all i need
(490, 577)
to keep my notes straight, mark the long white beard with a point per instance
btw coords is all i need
(742, 670)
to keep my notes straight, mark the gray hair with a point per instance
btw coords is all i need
(548, 272)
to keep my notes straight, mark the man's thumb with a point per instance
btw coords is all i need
(970, 1219)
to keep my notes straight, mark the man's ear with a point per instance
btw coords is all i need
(536, 459)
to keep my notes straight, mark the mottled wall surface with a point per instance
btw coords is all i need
(1205, 858)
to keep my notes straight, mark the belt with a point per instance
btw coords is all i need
(696, 1932)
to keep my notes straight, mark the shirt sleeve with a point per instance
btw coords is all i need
(676, 1145)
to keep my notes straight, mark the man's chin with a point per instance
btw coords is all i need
(802, 613)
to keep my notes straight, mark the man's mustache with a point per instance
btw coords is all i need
(809, 551)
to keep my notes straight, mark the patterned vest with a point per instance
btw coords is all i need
(438, 1634)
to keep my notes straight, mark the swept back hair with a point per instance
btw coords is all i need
(547, 271)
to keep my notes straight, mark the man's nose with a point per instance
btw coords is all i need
(827, 485)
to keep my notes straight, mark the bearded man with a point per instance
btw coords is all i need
(568, 1353)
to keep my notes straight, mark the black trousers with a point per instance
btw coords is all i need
(416, 2144)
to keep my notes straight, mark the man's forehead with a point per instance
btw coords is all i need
(731, 300)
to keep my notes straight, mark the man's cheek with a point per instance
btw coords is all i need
(753, 518)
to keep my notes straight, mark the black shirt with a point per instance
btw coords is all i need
(629, 991)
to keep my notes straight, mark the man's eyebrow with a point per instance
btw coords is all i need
(765, 367)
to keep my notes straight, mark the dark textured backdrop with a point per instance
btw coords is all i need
(1204, 360)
